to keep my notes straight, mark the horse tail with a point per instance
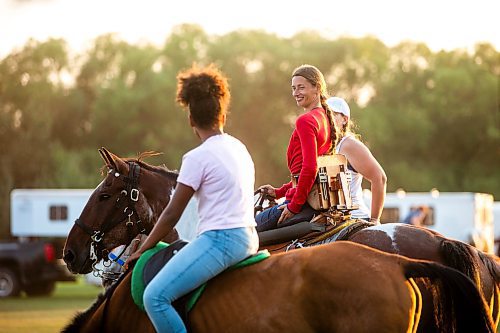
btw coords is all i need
(491, 264)
(493, 268)
(459, 307)
(458, 255)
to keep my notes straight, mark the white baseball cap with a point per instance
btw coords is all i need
(337, 104)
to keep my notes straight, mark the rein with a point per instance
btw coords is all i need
(126, 204)
(263, 196)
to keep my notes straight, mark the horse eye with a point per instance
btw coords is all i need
(104, 196)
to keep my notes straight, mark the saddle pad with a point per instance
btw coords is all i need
(159, 259)
(137, 282)
(140, 280)
(351, 229)
(341, 232)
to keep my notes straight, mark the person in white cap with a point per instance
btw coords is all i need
(361, 163)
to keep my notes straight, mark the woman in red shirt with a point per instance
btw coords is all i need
(314, 135)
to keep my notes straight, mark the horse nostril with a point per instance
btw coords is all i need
(69, 257)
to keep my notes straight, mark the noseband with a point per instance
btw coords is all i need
(125, 204)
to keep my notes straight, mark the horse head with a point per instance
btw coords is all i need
(122, 206)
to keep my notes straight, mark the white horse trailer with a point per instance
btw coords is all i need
(45, 212)
(464, 216)
(51, 213)
(496, 221)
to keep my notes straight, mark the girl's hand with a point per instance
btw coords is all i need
(134, 256)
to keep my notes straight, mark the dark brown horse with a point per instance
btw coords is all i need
(425, 244)
(339, 287)
(402, 239)
(121, 205)
(134, 190)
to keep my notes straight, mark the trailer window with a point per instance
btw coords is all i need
(421, 215)
(429, 218)
(390, 215)
(58, 213)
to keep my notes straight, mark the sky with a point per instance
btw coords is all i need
(441, 24)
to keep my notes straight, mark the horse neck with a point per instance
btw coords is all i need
(118, 311)
(158, 187)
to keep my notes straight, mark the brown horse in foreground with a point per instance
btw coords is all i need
(111, 218)
(339, 287)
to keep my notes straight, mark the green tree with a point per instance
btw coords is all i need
(431, 119)
(29, 90)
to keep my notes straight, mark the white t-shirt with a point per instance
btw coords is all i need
(355, 181)
(222, 173)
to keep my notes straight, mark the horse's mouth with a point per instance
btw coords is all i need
(83, 269)
(86, 267)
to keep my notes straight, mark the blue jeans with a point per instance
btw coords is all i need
(203, 258)
(268, 219)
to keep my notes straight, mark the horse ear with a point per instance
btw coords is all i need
(104, 157)
(113, 162)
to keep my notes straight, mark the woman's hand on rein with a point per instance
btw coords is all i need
(268, 190)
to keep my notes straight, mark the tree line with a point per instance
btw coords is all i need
(430, 118)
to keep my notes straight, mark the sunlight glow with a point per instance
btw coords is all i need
(443, 24)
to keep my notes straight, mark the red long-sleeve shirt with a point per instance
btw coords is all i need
(310, 138)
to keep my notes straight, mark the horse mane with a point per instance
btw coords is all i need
(170, 174)
(82, 317)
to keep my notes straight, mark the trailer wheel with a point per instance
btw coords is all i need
(40, 289)
(9, 283)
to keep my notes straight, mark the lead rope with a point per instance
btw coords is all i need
(113, 272)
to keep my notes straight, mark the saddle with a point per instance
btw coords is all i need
(304, 234)
(325, 217)
(152, 260)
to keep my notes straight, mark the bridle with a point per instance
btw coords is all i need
(125, 203)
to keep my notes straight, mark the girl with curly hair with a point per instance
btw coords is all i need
(220, 173)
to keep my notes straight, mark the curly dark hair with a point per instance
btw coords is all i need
(205, 91)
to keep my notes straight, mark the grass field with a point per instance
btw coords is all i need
(46, 314)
